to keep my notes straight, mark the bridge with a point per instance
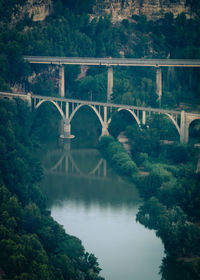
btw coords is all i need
(110, 63)
(68, 108)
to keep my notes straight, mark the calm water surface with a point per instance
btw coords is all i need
(96, 205)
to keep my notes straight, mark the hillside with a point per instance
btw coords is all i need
(153, 10)
(69, 30)
(38, 10)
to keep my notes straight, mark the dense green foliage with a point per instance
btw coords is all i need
(8, 8)
(169, 184)
(32, 244)
(117, 156)
(70, 32)
(171, 195)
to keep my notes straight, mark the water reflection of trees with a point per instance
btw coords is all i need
(104, 192)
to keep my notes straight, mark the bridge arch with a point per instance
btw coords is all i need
(132, 113)
(174, 122)
(193, 129)
(55, 104)
(92, 107)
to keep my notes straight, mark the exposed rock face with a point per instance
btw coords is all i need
(38, 10)
(152, 9)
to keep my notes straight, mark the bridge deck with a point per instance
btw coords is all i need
(114, 61)
(94, 103)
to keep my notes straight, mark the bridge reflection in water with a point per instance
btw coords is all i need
(82, 175)
(71, 162)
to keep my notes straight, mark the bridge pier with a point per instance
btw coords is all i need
(104, 131)
(105, 123)
(110, 83)
(62, 92)
(143, 117)
(29, 100)
(61, 81)
(159, 84)
(184, 129)
(66, 133)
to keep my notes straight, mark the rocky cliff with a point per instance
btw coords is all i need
(38, 10)
(120, 9)
(152, 9)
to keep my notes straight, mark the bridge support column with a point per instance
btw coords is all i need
(104, 131)
(110, 83)
(61, 81)
(184, 131)
(159, 84)
(29, 100)
(66, 130)
(105, 123)
(143, 117)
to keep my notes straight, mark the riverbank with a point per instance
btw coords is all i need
(171, 201)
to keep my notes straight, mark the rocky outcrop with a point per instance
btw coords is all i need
(38, 10)
(152, 9)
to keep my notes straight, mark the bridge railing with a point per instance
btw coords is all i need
(106, 104)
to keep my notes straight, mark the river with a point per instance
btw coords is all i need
(99, 207)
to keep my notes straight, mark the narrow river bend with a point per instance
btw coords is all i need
(96, 205)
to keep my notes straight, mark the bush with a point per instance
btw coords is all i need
(117, 155)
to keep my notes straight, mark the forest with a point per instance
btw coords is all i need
(32, 244)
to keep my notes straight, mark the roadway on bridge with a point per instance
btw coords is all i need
(94, 103)
(114, 61)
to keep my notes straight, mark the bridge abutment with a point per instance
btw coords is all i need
(186, 120)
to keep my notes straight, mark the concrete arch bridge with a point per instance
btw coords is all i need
(104, 112)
